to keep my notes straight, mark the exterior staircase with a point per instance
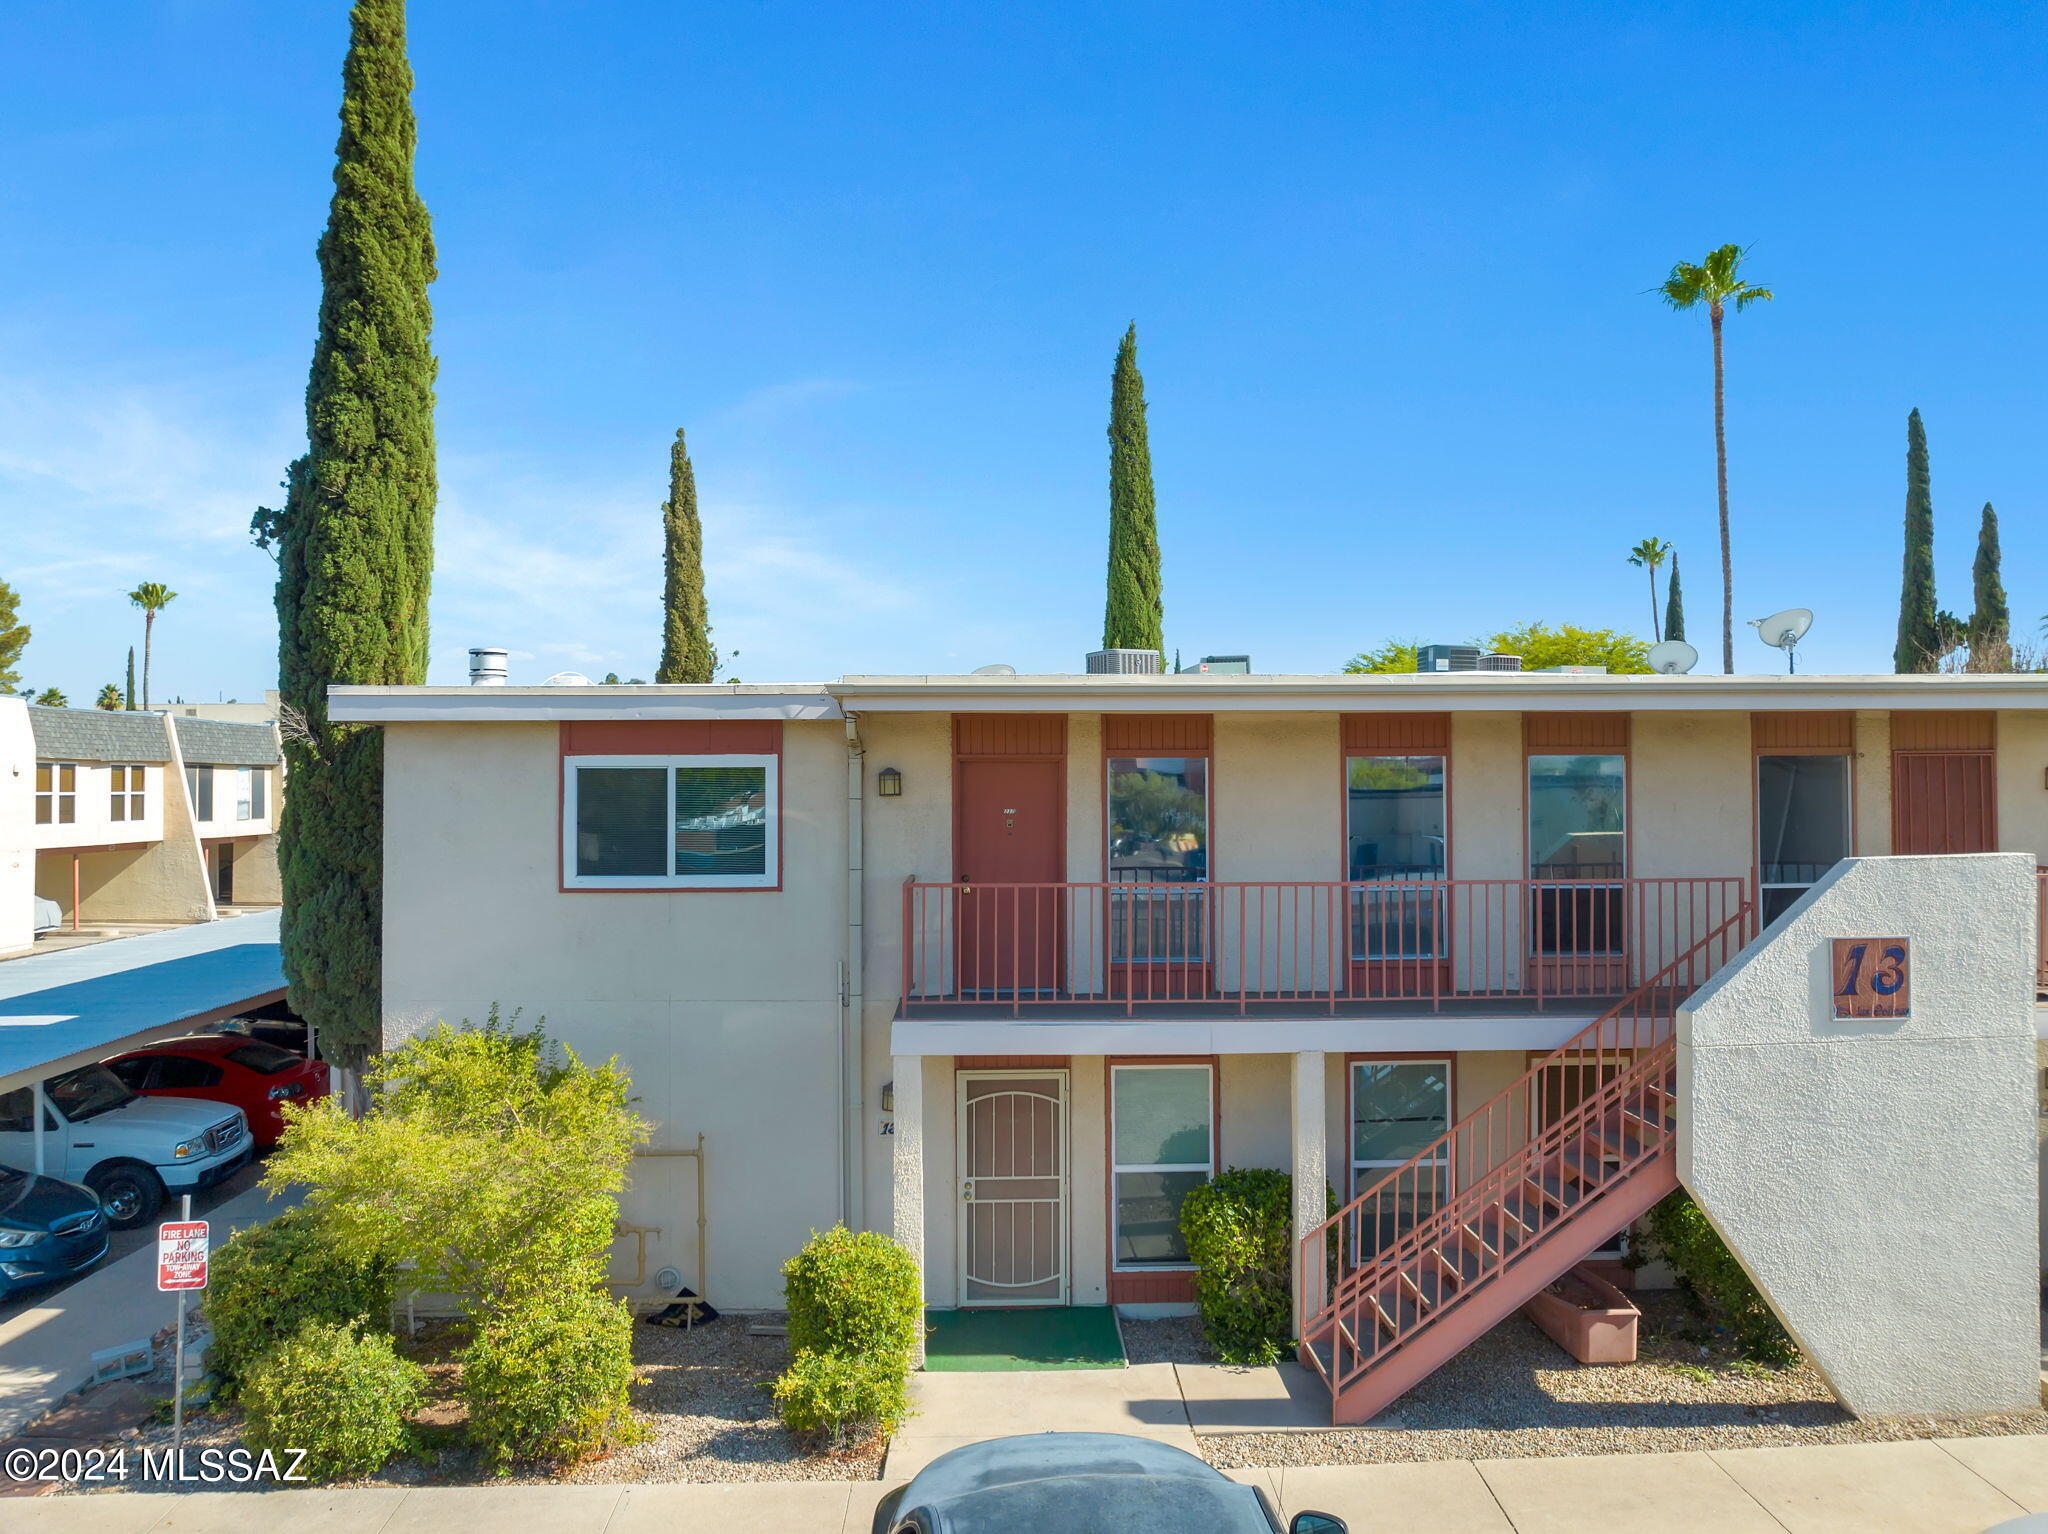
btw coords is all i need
(1469, 1229)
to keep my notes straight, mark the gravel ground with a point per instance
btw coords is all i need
(1515, 1394)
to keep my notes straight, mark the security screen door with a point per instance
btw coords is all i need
(1013, 1188)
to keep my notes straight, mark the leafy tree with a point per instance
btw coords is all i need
(109, 698)
(1990, 616)
(1541, 646)
(686, 653)
(51, 697)
(1134, 615)
(1648, 555)
(13, 637)
(152, 597)
(1919, 646)
(1394, 655)
(1674, 604)
(1715, 283)
(355, 537)
(128, 693)
(493, 1163)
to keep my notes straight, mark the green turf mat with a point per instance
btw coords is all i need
(1056, 1337)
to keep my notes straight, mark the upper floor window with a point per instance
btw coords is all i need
(679, 822)
(199, 789)
(259, 793)
(1158, 819)
(1578, 809)
(125, 794)
(56, 793)
(1394, 818)
(1802, 825)
(249, 786)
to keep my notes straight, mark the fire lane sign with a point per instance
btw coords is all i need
(181, 1255)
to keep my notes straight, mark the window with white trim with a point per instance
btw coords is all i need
(125, 801)
(1399, 1108)
(669, 822)
(56, 793)
(1163, 1146)
(259, 792)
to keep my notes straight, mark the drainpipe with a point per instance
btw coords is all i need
(851, 1104)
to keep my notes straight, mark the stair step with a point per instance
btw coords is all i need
(1430, 1284)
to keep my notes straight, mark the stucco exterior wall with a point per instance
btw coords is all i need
(1277, 798)
(17, 820)
(1690, 796)
(1873, 783)
(2022, 786)
(723, 1004)
(1487, 792)
(1254, 1102)
(94, 825)
(1878, 1179)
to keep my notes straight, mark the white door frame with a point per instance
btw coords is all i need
(960, 1177)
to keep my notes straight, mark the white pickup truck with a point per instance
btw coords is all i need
(130, 1150)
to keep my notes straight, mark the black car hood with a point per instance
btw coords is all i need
(37, 1203)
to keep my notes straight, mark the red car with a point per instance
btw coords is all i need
(231, 1068)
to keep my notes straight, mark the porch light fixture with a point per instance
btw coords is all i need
(889, 783)
(889, 1096)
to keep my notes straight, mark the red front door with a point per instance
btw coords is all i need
(1007, 832)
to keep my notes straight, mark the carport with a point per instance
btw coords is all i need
(77, 1005)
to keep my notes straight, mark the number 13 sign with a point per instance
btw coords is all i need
(1873, 978)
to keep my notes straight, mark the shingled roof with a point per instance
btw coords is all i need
(223, 744)
(98, 735)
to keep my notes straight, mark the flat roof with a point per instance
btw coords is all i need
(75, 1005)
(1491, 691)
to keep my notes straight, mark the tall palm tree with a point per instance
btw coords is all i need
(1716, 282)
(1648, 555)
(152, 597)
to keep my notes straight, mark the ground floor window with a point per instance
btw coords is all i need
(1399, 1108)
(1163, 1143)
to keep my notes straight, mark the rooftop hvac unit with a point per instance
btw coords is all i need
(1498, 661)
(1222, 665)
(1447, 657)
(1123, 663)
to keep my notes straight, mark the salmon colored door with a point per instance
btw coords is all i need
(1943, 801)
(1008, 831)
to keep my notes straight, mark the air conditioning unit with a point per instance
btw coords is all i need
(1123, 663)
(1499, 661)
(1447, 657)
(1221, 665)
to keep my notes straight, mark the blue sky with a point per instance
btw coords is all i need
(1388, 266)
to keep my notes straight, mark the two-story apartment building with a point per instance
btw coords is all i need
(132, 818)
(1006, 964)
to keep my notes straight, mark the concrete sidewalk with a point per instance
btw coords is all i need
(46, 1351)
(1937, 1486)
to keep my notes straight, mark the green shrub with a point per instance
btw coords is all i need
(547, 1378)
(271, 1279)
(1714, 1281)
(853, 1294)
(1239, 1230)
(337, 1393)
(841, 1398)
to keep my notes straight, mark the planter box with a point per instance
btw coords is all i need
(1588, 1317)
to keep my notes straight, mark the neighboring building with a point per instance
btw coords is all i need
(1005, 964)
(131, 818)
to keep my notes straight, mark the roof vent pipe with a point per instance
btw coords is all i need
(487, 667)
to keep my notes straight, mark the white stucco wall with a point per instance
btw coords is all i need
(1878, 1179)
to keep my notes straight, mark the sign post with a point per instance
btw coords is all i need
(180, 1266)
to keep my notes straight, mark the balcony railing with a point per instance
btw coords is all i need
(1262, 947)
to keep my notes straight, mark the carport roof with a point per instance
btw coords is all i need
(75, 1005)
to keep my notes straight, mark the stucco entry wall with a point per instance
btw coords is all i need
(1878, 1179)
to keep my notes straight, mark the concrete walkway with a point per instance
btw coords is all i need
(46, 1351)
(1944, 1486)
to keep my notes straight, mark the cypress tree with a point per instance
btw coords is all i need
(1919, 645)
(1133, 616)
(1674, 604)
(686, 653)
(1990, 618)
(355, 539)
(128, 697)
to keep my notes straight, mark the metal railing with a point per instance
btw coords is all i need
(1428, 941)
(1404, 1250)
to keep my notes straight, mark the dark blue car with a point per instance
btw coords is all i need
(49, 1230)
(1101, 1483)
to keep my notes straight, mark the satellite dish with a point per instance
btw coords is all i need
(998, 669)
(1784, 630)
(1673, 657)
